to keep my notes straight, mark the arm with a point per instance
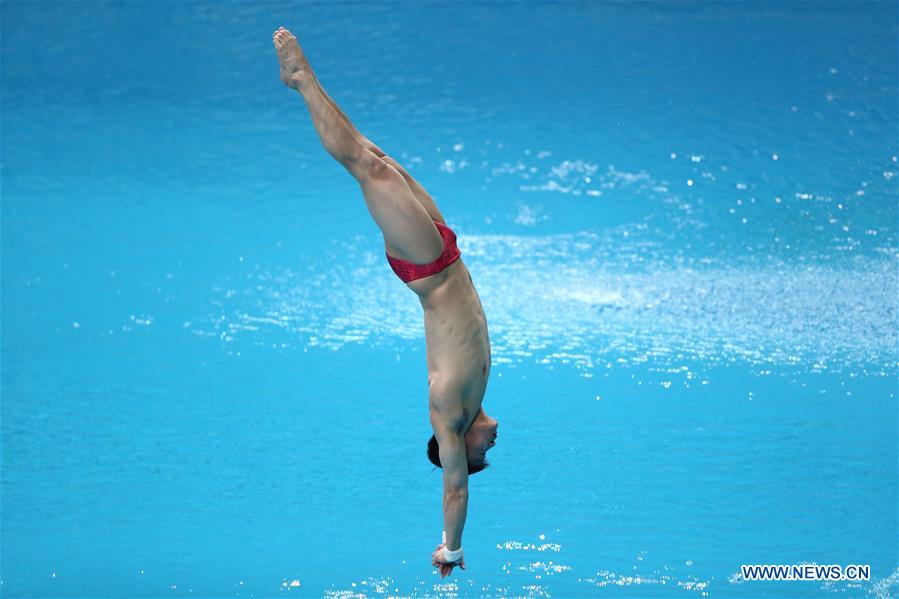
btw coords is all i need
(455, 490)
(455, 483)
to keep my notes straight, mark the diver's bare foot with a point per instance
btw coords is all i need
(295, 71)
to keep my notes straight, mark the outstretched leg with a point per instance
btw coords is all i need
(404, 221)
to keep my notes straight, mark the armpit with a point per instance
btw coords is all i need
(448, 418)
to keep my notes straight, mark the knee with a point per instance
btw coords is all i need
(373, 167)
(389, 160)
(398, 167)
(374, 149)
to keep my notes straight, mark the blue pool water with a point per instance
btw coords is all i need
(681, 219)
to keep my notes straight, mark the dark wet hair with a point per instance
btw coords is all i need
(434, 456)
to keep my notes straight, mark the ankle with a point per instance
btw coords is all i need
(303, 79)
(298, 80)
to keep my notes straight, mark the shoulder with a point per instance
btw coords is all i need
(445, 405)
(447, 423)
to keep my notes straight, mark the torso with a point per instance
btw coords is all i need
(458, 346)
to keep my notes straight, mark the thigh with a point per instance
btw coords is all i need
(423, 197)
(409, 232)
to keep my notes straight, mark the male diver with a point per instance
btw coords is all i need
(422, 251)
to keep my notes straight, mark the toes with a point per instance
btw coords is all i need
(287, 35)
(282, 37)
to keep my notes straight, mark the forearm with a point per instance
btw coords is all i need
(455, 508)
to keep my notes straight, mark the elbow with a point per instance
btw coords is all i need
(456, 494)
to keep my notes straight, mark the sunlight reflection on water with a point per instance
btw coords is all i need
(623, 296)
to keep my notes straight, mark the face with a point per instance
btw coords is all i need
(480, 438)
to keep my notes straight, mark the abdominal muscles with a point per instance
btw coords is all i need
(458, 346)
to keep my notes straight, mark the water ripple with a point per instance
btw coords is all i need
(565, 299)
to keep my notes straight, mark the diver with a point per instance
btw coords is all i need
(421, 249)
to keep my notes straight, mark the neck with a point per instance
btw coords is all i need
(479, 417)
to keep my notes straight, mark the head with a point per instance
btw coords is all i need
(479, 439)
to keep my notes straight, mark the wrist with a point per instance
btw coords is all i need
(452, 556)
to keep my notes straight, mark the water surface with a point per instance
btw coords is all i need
(682, 222)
